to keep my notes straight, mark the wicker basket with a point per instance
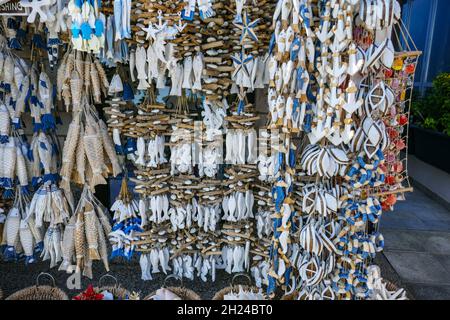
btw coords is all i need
(235, 288)
(290, 297)
(117, 291)
(392, 287)
(39, 292)
(182, 292)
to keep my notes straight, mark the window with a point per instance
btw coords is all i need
(415, 16)
(429, 24)
(440, 49)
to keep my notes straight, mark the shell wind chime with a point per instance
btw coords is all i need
(242, 252)
(126, 220)
(325, 86)
(149, 231)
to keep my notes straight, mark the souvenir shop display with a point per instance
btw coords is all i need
(263, 138)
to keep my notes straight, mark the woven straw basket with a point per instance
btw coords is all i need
(290, 297)
(39, 292)
(392, 287)
(235, 288)
(182, 292)
(117, 291)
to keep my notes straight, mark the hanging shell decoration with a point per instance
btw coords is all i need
(296, 204)
(126, 220)
(325, 87)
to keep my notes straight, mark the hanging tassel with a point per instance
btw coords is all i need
(14, 43)
(25, 190)
(10, 254)
(128, 94)
(39, 42)
(130, 146)
(241, 106)
(48, 122)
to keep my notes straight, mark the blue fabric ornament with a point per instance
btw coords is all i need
(86, 31)
(128, 94)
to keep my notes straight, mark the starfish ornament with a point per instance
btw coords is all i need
(241, 62)
(37, 8)
(151, 31)
(247, 27)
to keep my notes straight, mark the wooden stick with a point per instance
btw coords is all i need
(387, 193)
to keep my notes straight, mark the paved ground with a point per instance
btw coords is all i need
(417, 237)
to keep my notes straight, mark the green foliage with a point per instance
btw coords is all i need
(433, 110)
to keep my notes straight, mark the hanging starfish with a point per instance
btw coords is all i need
(241, 62)
(247, 27)
(151, 31)
(37, 8)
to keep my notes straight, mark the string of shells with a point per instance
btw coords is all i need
(154, 242)
(323, 88)
(245, 249)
